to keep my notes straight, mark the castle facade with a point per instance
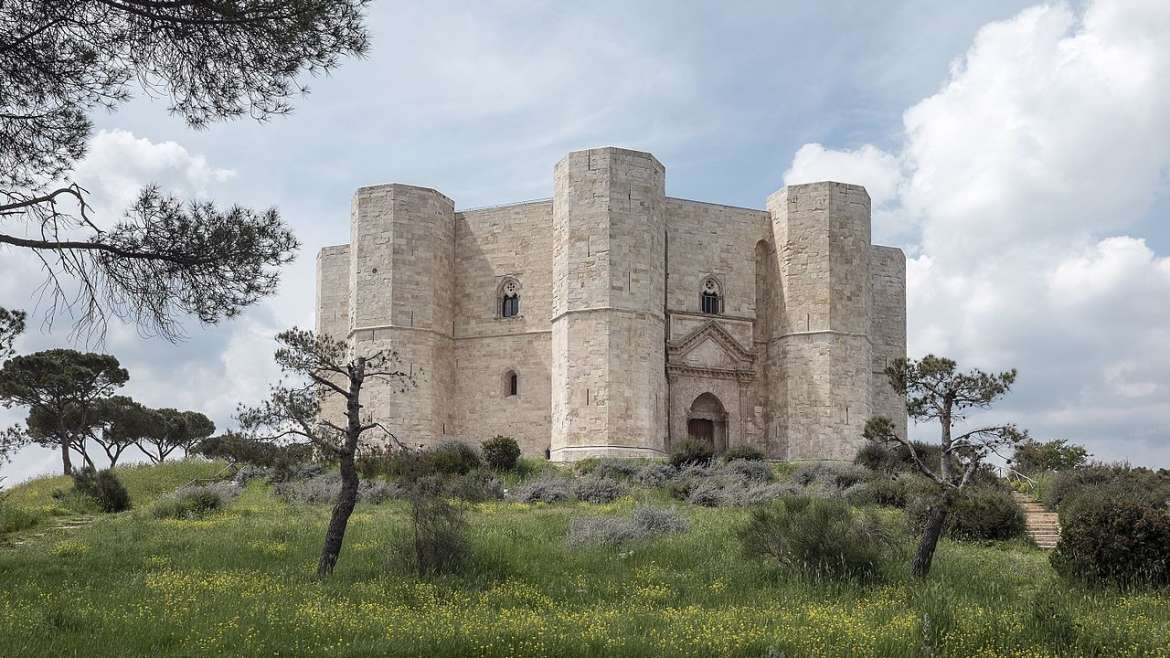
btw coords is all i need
(612, 320)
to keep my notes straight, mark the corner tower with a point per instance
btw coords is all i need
(608, 320)
(401, 282)
(821, 383)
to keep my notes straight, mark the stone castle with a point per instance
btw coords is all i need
(613, 320)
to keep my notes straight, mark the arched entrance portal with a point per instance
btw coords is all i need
(707, 422)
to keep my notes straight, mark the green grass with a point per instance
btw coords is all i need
(144, 482)
(240, 582)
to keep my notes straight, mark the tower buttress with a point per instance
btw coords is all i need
(822, 361)
(402, 290)
(608, 369)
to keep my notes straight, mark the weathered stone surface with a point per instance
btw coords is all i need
(611, 349)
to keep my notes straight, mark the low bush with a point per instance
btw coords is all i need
(654, 474)
(436, 542)
(890, 492)
(757, 471)
(194, 502)
(750, 453)
(452, 458)
(474, 487)
(614, 531)
(601, 530)
(831, 477)
(323, 490)
(1115, 481)
(691, 452)
(895, 458)
(543, 490)
(821, 538)
(724, 490)
(103, 487)
(13, 518)
(977, 514)
(1115, 541)
(282, 460)
(659, 520)
(616, 469)
(597, 489)
(500, 453)
(377, 461)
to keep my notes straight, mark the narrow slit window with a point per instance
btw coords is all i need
(511, 384)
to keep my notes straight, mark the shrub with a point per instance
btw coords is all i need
(601, 530)
(750, 453)
(103, 487)
(1108, 481)
(732, 491)
(283, 460)
(886, 491)
(475, 487)
(691, 452)
(818, 537)
(894, 458)
(1115, 541)
(325, 489)
(249, 472)
(616, 469)
(757, 471)
(1059, 455)
(376, 461)
(659, 520)
(437, 542)
(544, 490)
(654, 474)
(978, 513)
(13, 518)
(597, 489)
(831, 476)
(613, 531)
(451, 458)
(194, 502)
(501, 453)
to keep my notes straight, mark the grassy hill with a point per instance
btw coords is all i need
(240, 582)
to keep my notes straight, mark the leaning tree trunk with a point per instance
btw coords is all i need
(936, 520)
(346, 500)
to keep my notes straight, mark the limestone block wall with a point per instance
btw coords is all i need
(333, 292)
(495, 244)
(712, 240)
(608, 329)
(333, 310)
(707, 239)
(610, 272)
(821, 232)
(402, 289)
(888, 330)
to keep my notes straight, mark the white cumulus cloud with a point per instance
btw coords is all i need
(1016, 188)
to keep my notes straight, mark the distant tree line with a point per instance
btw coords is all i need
(71, 401)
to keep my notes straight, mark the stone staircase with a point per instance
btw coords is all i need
(1043, 527)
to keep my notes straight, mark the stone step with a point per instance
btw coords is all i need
(1041, 524)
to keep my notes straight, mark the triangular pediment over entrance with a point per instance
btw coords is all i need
(711, 349)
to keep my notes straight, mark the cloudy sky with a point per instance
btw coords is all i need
(1018, 153)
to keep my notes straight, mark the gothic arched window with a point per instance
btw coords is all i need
(509, 298)
(511, 383)
(711, 301)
